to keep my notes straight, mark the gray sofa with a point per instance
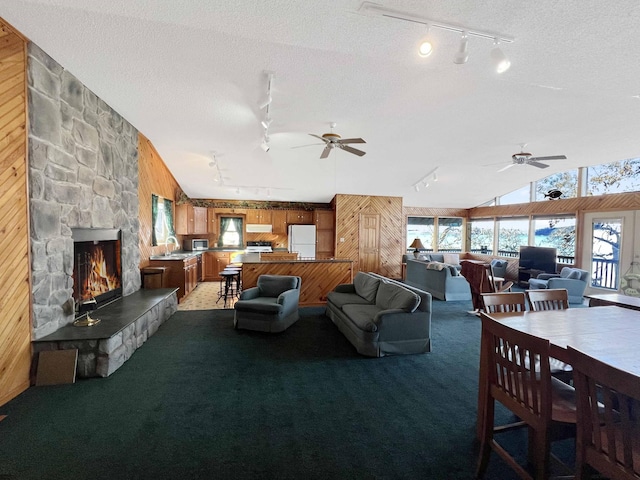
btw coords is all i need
(380, 316)
(441, 280)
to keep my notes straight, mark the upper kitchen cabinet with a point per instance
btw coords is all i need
(325, 233)
(299, 217)
(324, 219)
(212, 221)
(279, 221)
(191, 220)
(258, 216)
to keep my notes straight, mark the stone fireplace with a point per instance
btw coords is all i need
(83, 175)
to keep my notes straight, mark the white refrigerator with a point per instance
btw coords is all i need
(302, 239)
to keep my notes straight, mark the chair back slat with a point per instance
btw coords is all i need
(608, 414)
(504, 302)
(548, 299)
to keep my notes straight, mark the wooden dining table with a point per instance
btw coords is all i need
(609, 333)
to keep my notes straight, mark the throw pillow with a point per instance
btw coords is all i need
(451, 258)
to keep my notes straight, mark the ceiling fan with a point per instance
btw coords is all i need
(524, 158)
(333, 140)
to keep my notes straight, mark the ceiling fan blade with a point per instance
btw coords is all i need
(318, 136)
(351, 140)
(537, 164)
(355, 151)
(552, 157)
(506, 167)
(308, 145)
(326, 151)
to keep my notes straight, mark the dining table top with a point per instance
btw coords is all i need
(609, 333)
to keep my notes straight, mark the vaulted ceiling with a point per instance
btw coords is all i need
(190, 74)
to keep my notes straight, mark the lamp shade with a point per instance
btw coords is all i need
(417, 244)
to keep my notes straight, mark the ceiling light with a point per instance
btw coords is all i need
(267, 101)
(266, 122)
(426, 46)
(417, 187)
(500, 60)
(265, 143)
(435, 177)
(462, 55)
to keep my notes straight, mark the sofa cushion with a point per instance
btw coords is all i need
(451, 258)
(436, 257)
(574, 274)
(340, 299)
(259, 305)
(392, 296)
(366, 286)
(362, 316)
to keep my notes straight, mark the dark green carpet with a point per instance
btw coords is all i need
(202, 400)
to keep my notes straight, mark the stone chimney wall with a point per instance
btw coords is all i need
(83, 173)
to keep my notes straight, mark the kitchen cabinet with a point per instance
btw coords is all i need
(299, 217)
(325, 233)
(214, 263)
(258, 216)
(212, 221)
(181, 274)
(191, 220)
(279, 221)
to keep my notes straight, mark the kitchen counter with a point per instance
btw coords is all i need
(319, 277)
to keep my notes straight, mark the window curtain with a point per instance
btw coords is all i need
(154, 218)
(168, 212)
(239, 229)
(224, 225)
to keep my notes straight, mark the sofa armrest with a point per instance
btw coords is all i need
(345, 288)
(398, 324)
(547, 276)
(250, 293)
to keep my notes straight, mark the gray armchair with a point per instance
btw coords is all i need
(574, 280)
(271, 306)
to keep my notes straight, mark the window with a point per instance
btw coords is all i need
(162, 219)
(230, 232)
(566, 182)
(422, 228)
(512, 233)
(481, 236)
(522, 195)
(556, 232)
(449, 234)
(616, 177)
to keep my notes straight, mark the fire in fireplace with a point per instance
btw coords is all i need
(97, 269)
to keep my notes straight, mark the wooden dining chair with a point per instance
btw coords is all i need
(504, 302)
(528, 390)
(548, 299)
(608, 415)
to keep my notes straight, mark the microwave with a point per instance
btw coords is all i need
(192, 244)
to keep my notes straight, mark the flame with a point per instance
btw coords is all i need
(98, 280)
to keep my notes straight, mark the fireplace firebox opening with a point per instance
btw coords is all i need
(97, 267)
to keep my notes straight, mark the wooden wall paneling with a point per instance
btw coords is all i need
(15, 302)
(154, 177)
(348, 209)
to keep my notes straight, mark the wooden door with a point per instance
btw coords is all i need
(369, 246)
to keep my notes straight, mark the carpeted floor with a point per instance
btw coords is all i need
(200, 400)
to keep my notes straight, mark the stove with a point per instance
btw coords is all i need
(258, 247)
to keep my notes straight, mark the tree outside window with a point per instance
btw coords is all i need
(422, 228)
(449, 234)
(512, 233)
(556, 232)
(481, 236)
(616, 177)
(566, 182)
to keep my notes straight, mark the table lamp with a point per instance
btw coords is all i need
(417, 244)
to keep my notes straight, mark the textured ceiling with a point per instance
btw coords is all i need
(190, 74)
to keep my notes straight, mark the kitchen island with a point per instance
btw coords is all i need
(319, 277)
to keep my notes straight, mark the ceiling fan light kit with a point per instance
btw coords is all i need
(526, 158)
(461, 57)
(333, 140)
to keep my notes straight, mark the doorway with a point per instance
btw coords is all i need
(607, 250)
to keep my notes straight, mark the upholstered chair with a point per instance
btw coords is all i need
(271, 306)
(574, 280)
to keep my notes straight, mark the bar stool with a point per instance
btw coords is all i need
(227, 290)
(238, 280)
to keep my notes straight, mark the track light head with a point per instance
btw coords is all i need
(462, 55)
(417, 187)
(500, 60)
(267, 101)
(426, 45)
(266, 122)
(265, 144)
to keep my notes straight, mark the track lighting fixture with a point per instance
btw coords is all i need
(267, 101)
(267, 117)
(265, 146)
(462, 55)
(500, 60)
(426, 46)
(266, 122)
(424, 181)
